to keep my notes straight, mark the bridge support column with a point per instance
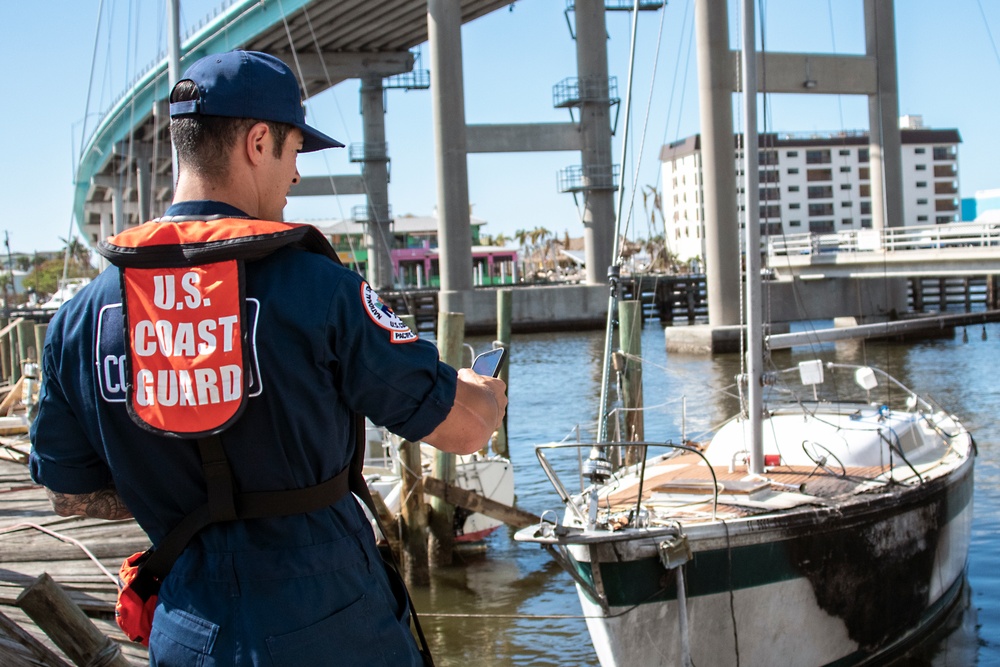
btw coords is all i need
(375, 172)
(444, 22)
(595, 130)
(883, 118)
(722, 230)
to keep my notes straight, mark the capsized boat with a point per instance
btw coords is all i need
(490, 476)
(853, 541)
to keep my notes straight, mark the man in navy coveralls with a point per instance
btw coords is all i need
(300, 590)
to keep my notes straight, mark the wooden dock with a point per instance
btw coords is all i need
(35, 541)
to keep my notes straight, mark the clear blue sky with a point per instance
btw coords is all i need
(949, 72)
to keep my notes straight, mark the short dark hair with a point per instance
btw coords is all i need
(203, 142)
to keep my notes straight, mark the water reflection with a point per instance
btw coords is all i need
(513, 602)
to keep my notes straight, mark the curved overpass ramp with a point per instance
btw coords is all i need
(125, 170)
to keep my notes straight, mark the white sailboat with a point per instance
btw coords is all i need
(827, 524)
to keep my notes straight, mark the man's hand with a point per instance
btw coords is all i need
(480, 404)
(103, 504)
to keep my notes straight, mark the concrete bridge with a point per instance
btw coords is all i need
(124, 177)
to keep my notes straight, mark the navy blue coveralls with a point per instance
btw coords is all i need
(307, 589)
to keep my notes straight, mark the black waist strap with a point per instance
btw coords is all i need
(224, 505)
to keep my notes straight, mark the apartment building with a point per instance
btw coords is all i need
(814, 183)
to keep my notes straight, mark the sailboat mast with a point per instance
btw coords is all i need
(751, 199)
(615, 268)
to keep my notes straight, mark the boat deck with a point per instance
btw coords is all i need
(683, 485)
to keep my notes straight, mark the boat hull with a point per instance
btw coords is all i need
(831, 586)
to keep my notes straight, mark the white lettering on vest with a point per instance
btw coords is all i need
(177, 387)
(144, 387)
(182, 342)
(163, 292)
(189, 283)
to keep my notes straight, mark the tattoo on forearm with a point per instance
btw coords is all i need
(103, 504)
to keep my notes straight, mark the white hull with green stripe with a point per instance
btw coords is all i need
(851, 545)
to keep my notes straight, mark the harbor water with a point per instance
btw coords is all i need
(513, 605)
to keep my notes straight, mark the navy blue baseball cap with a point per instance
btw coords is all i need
(249, 84)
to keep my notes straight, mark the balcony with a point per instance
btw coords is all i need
(596, 177)
(418, 79)
(363, 152)
(573, 91)
(361, 213)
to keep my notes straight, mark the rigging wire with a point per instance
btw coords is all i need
(378, 234)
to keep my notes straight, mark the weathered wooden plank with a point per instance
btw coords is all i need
(477, 503)
(53, 611)
(18, 647)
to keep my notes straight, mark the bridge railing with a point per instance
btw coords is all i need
(925, 237)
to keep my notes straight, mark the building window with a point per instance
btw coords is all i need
(844, 151)
(845, 170)
(769, 176)
(792, 154)
(771, 229)
(863, 155)
(866, 208)
(819, 175)
(770, 211)
(920, 150)
(846, 204)
(793, 170)
(944, 152)
(921, 201)
(818, 156)
(866, 223)
(770, 194)
(921, 218)
(794, 206)
(821, 226)
(921, 167)
(847, 221)
(921, 184)
(864, 173)
(794, 223)
(819, 192)
(945, 219)
(793, 188)
(768, 157)
(845, 186)
(819, 209)
(865, 189)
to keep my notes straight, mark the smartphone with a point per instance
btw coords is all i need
(489, 362)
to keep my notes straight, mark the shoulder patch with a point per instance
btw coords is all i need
(382, 315)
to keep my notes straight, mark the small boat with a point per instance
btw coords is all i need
(489, 476)
(852, 542)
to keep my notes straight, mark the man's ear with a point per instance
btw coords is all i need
(258, 142)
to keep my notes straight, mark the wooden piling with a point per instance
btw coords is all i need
(630, 342)
(504, 311)
(15, 355)
(5, 365)
(26, 342)
(414, 515)
(450, 336)
(64, 622)
(40, 331)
